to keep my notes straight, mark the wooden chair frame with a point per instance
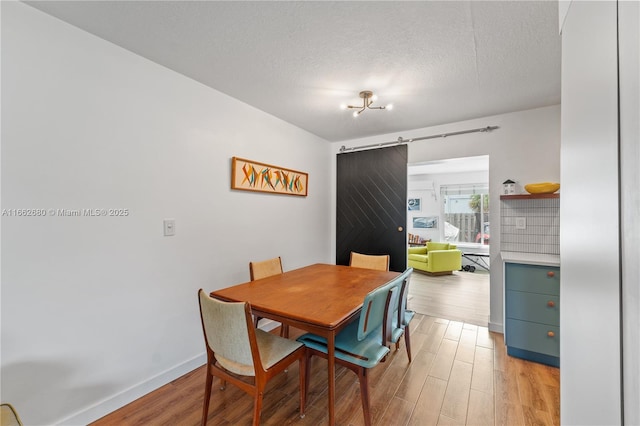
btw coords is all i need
(262, 375)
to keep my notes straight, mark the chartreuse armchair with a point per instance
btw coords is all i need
(435, 258)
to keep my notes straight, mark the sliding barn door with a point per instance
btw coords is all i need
(372, 204)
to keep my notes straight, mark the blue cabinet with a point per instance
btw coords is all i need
(532, 311)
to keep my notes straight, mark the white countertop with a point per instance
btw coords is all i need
(530, 258)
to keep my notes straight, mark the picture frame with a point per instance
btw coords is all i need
(249, 175)
(414, 204)
(427, 222)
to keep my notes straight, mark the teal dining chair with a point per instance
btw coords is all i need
(362, 344)
(401, 315)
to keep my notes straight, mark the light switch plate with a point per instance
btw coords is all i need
(169, 227)
(521, 223)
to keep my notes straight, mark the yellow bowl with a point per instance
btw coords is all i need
(542, 188)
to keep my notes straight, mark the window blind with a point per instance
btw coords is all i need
(464, 189)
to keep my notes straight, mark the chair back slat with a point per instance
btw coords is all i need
(387, 325)
(402, 299)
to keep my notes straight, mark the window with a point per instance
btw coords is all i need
(465, 209)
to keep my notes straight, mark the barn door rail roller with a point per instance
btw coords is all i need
(401, 140)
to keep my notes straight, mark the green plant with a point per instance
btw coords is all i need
(474, 203)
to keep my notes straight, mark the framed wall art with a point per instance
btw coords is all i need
(248, 175)
(430, 222)
(414, 204)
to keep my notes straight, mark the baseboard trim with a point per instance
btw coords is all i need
(119, 400)
(496, 328)
(553, 361)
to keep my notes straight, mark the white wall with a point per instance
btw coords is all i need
(427, 187)
(97, 311)
(526, 148)
(423, 187)
(590, 283)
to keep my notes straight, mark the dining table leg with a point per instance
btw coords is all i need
(331, 350)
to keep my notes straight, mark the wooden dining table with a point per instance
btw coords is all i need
(319, 298)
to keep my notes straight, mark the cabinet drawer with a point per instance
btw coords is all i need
(532, 278)
(541, 308)
(533, 337)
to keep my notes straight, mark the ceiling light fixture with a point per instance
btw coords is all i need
(367, 100)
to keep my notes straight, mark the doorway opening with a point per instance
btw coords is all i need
(448, 201)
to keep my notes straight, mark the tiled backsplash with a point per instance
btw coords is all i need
(542, 229)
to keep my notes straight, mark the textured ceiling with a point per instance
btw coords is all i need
(437, 62)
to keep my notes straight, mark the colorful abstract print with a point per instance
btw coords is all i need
(278, 180)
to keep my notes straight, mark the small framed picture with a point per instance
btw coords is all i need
(430, 222)
(413, 204)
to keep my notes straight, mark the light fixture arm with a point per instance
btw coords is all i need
(367, 100)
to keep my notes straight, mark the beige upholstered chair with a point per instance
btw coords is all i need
(369, 261)
(264, 269)
(235, 348)
(9, 416)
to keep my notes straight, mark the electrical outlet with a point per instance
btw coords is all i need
(169, 227)
(521, 223)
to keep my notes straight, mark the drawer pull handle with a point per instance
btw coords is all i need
(551, 274)
(551, 303)
(551, 334)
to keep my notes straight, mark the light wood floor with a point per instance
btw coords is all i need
(462, 296)
(460, 375)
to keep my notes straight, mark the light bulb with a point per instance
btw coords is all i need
(343, 106)
(374, 97)
(390, 106)
(356, 113)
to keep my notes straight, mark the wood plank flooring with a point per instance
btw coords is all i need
(460, 375)
(462, 296)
